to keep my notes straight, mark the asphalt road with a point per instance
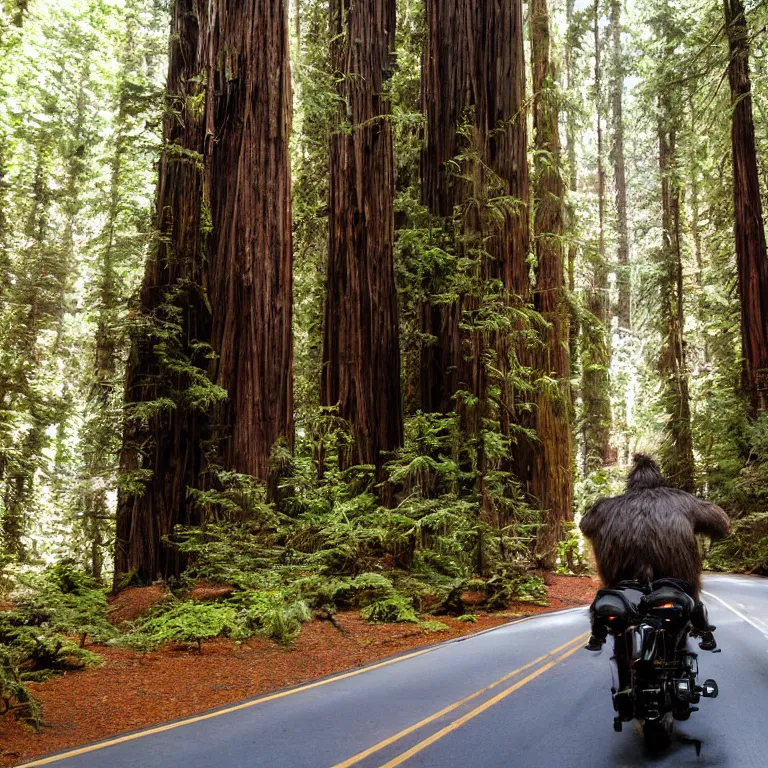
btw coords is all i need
(525, 694)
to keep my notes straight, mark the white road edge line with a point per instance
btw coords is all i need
(763, 629)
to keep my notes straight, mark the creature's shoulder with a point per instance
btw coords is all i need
(601, 511)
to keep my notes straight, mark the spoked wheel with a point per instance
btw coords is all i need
(658, 733)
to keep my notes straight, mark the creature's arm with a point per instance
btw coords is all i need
(710, 520)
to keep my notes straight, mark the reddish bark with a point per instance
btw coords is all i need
(473, 71)
(166, 442)
(573, 185)
(361, 346)
(251, 285)
(749, 228)
(223, 211)
(552, 481)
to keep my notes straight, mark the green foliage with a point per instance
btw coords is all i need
(434, 626)
(281, 621)
(72, 602)
(238, 617)
(359, 592)
(391, 609)
(570, 552)
(189, 622)
(467, 618)
(745, 550)
(14, 695)
(508, 585)
(79, 100)
(34, 636)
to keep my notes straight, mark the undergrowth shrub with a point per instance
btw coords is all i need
(329, 544)
(36, 642)
(67, 601)
(571, 555)
(188, 622)
(742, 489)
(434, 626)
(508, 585)
(271, 614)
(390, 610)
(15, 697)
(745, 549)
(240, 616)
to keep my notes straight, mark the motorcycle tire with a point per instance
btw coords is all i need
(658, 733)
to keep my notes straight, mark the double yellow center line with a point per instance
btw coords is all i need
(572, 645)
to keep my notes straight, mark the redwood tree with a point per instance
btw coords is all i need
(161, 455)
(473, 76)
(552, 481)
(216, 298)
(749, 226)
(251, 286)
(361, 352)
(473, 79)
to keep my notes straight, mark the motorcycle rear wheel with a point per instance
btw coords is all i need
(658, 733)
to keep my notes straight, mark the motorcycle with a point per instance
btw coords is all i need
(650, 625)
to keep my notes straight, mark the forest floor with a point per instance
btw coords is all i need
(129, 691)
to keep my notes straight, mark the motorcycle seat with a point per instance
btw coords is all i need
(617, 606)
(665, 594)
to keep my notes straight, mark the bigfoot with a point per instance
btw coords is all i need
(649, 533)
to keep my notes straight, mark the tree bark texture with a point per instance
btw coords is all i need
(221, 277)
(552, 481)
(749, 225)
(573, 185)
(161, 455)
(361, 345)
(597, 417)
(5, 260)
(619, 169)
(677, 456)
(473, 73)
(251, 286)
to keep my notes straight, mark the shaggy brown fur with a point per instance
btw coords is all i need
(649, 532)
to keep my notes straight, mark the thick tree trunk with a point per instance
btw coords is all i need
(5, 259)
(619, 171)
(749, 225)
(552, 481)
(361, 348)
(473, 76)
(677, 456)
(251, 286)
(597, 417)
(224, 214)
(161, 455)
(573, 185)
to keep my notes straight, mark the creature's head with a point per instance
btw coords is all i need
(645, 473)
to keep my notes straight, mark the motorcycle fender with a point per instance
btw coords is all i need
(643, 643)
